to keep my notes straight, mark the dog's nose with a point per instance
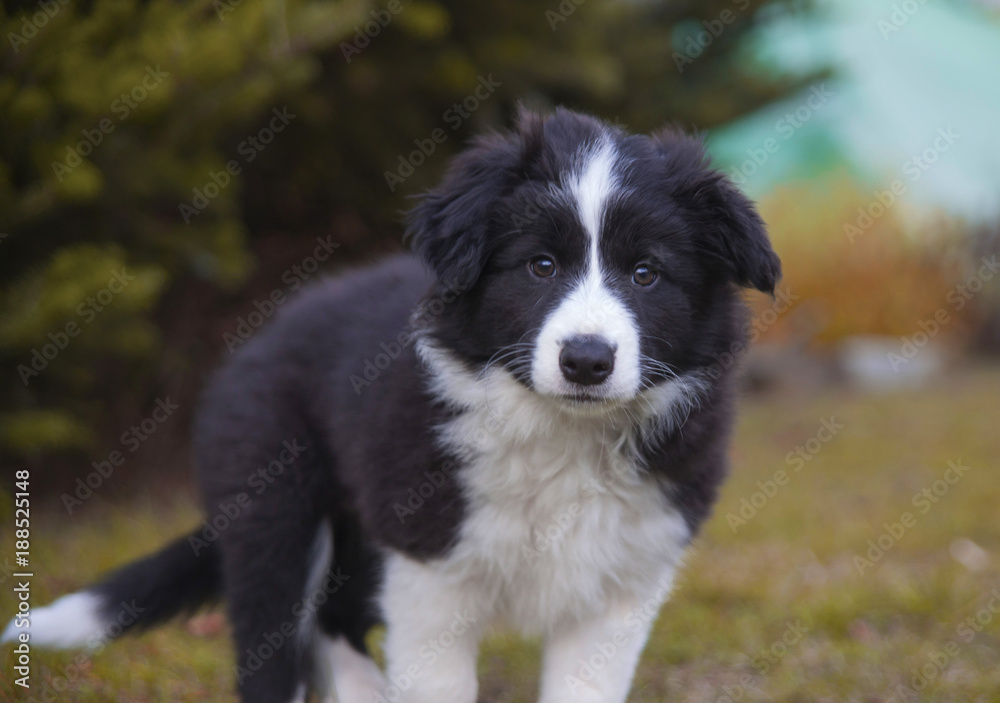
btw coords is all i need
(587, 360)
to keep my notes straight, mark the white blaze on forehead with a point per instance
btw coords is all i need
(592, 186)
(590, 307)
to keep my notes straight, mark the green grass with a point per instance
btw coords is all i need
(794, 562)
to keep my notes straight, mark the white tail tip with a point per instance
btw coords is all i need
(70, 622)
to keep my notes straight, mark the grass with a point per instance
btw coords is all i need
(854, 634)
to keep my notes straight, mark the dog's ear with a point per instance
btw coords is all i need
(450, 227)
(729, 232)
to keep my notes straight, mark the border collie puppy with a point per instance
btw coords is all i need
(525, 425)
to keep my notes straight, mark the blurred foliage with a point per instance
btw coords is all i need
(885, 278)
(132, 143)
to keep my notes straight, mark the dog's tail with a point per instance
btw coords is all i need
(181, 577)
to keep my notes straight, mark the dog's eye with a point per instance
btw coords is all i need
(542, 266)
(643, 275)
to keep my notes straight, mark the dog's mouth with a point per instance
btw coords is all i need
(589, 400)
(585, 398)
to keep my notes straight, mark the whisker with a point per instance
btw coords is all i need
(658, 339)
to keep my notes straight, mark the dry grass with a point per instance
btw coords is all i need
(791, 563)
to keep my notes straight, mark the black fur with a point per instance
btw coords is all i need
(336, 374)
(156, 588)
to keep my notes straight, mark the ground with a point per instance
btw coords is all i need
(839, 581)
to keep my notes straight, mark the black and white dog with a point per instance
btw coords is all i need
(529, 434)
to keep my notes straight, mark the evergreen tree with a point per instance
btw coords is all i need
(162, 163)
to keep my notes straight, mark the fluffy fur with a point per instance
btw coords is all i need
(526, 430)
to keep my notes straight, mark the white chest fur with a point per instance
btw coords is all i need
(560, 522)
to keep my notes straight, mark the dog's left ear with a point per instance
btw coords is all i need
(449, 227)
(730, 232)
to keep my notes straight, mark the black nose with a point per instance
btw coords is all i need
(587, 360)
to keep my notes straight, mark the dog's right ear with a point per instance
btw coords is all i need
(450, 226)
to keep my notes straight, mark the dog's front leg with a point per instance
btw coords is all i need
(433, 628)
(593, 660)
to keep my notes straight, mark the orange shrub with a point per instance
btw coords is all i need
(883, 279)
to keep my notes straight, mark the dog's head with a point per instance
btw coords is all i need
(593, 263)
